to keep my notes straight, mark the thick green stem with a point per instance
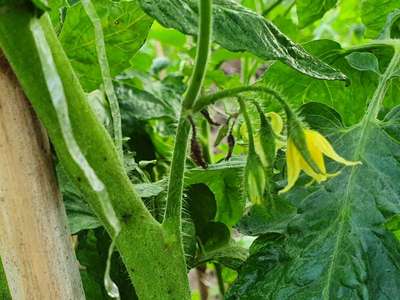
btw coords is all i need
(155, 264)
(175, 186)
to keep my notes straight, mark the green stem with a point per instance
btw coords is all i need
(377, 99)
(220, 279)
(211, 99)
(105, 73)
(203, 50)
(243, 110)
(175, 186)
(295, 125)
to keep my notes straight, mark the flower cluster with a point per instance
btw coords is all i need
(305, 151)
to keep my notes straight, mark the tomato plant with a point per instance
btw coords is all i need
(253, 145)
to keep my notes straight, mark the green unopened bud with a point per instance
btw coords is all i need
(222, 132)
(266, 136)
(255, 179)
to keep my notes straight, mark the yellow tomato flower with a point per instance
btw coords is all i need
(317, 146)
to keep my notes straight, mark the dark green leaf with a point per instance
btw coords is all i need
(214, 235)
(202, 205)
(92, 253)
(348, 100)
(141, 105)
(125, 29)
(261, 220)
(225, 181)
(322, 117)
(237, 28)
(337, 246)
(310, 11)
(232, 255)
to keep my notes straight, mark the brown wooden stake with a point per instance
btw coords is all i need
(35, 247)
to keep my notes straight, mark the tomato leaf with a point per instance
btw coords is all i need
(348, 100)
(237, 28)
(225, 181)
(337, 246)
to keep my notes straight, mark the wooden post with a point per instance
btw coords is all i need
(36, 251)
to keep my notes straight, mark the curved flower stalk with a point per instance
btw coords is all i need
(317, 146)
(276, 123)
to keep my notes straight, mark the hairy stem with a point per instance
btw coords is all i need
(175, 186)
(243, 110)
(203, 50)
(210, 99)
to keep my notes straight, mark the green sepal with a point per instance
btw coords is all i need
(222, 132)
(255, 178)
(267, 138)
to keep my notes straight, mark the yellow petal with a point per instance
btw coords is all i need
(276, 122)
(316, 156)
(293, 166)
(315, 152)
(326, 148)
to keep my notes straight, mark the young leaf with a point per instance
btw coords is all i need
(237, 28)
(363, 61)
